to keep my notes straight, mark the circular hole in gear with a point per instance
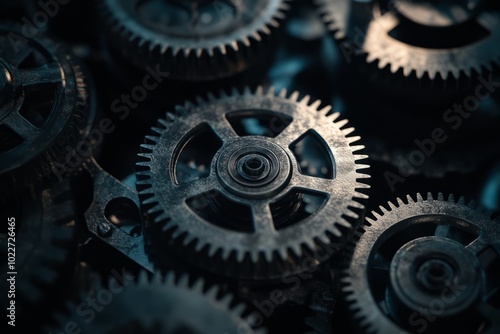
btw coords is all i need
(124, 213)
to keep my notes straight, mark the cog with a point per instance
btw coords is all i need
(427, 266)
(417, 39)
(46, 105)
(257, 212)
(193, 40)
(44, 247)
(168, 306)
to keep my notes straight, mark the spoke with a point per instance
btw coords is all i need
(223, 129)
(291, 133)
(313, 183)
(263, 218)
(21, 126)
(442, 231)
(41, 75)
(192, 189)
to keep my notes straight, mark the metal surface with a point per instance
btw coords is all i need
(196, 40)
(425, 266)
(264, 251)
(373, 30)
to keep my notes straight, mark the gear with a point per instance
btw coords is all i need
(193, 40)
(168, 306)
(426, 266)
(417, 40)
(46, 106)
(44, 247)
(258, 211)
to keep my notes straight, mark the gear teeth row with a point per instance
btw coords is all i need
(192, 59)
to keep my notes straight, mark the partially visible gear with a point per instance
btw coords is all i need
(435, 43)
(427, 266)
(46, 109)
(45, 246)
(193, 40)
(166, 306)
(256, 210)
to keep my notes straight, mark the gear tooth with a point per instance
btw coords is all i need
(153, 139)
(400, 202)
(305, 100)
(430, 197)
(326, 110)
(461, 200)
(146, 156)
(246, 41)
(200, 101)
(170, 279)
(472, 204)
(451, 198)
(342, 123)
(254, 256)
(248, 92)
(283, 93)
(183, 281)
(157, 130)
(156, 279)
(348, 131)
(295, 96)
(143, 278)
(271, 91)
(420, 197)
(333, 117)
(212, 293)
(345, 223)
(211, 97)
(239, 309)
(259, 91)
(316, 104)
(147, 147)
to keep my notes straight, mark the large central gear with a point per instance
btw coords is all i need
(438, 40)
(426, 266)
(193, 40)
(234, 184)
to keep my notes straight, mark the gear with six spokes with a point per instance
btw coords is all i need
(253, 206)
(193, 40)
(427, 266)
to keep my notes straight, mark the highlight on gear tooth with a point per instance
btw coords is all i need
(256, 184)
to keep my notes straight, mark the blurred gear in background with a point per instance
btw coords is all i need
(170, 305)
(427, 266)
(45, 250)
(193, 40)
(226, 183)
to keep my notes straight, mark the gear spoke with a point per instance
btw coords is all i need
(21, 126)
(442, 231)
(223, 129)
(291, 133)
(195, 188)
(41, 75)
(476, 246)
(306, 182)
(263, 219)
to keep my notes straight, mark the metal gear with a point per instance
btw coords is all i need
(193, 40)
(45, 246)
(46, 105)
(258, 211)
(167, 306)
(426, 266)
(417, 39)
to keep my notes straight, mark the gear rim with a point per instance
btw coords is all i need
(266, 260)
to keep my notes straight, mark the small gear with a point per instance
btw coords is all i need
(46, 107)
(45, 247)
(417, 39)
(167, 306)
(251, 208)
(193, 40)
(426, 266)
